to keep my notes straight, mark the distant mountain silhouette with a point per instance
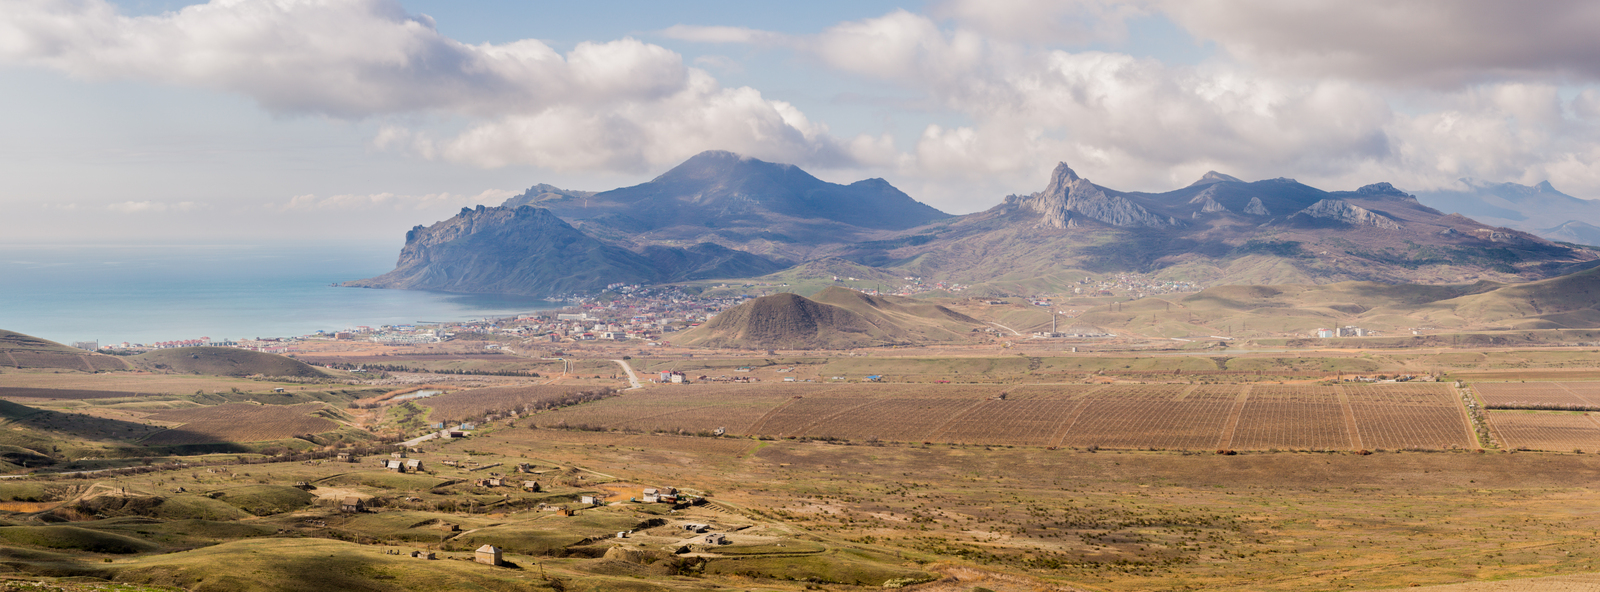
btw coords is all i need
(1539, 208)
(721, 215)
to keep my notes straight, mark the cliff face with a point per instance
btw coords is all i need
(526, 251)
(1069, 197)
(529, 251)
(1348, 213)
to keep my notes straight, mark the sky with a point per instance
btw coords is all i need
(259, 121)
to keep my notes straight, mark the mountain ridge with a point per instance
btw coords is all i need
(721, 215)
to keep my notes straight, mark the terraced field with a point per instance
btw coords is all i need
(1547, 430)
(1575, 396)
(1159, 416)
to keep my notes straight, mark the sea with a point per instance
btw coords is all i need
(146, 293)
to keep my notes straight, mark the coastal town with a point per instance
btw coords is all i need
(624, 312)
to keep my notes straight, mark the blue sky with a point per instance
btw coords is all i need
(144, 120)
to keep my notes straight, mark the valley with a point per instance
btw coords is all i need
(935, 467)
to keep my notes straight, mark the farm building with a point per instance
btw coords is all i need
(487, 555)
(353, 504)
(425, 555)
(414, 465)
(531, 486)
(716, 538)
(589, 500)
(697, 528)
(395, 465)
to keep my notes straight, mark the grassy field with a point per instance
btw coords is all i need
(1110, 471)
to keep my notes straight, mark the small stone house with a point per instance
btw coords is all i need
(413, 465)
(487, 555)
(532, 486)
(353, 504)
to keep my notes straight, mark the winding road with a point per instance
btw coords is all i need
(632, 378)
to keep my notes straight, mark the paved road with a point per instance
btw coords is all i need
(632, 378)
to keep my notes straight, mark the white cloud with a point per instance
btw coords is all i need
(1141, 123)
(350, 202)
(618, 105)
(1444, 43)
(641, 136)
(1504, 132)
(147, 206)
(347, 58)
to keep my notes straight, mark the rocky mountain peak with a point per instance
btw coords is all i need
(1062, 180)
(1069, 197)
(1214, 177)
(1383, 188)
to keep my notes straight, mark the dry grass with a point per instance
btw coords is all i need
(240, 422)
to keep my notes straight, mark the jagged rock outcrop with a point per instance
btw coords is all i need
(1348, 213)
(1069, 196)
(1207, 200)
(1255, 208)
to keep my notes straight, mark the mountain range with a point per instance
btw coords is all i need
(1539, 209)
(721, 215)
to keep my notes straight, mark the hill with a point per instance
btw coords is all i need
(224, 361)
(18, 350)
(835, 318)
(1567, 302)
(529, 251)
(910, 319)
(789, 321)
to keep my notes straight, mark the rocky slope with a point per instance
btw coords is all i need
(530, 251)
(1220, 230)
(720, 215)
(775, 210)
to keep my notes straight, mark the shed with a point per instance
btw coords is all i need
(589, 500)
(413, 465)
(531, 486)
(487, 555)
(353, 504)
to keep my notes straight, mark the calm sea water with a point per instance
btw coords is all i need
(147, 293)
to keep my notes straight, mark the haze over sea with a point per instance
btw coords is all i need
(149, 293)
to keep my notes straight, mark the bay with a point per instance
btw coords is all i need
(145, 293)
